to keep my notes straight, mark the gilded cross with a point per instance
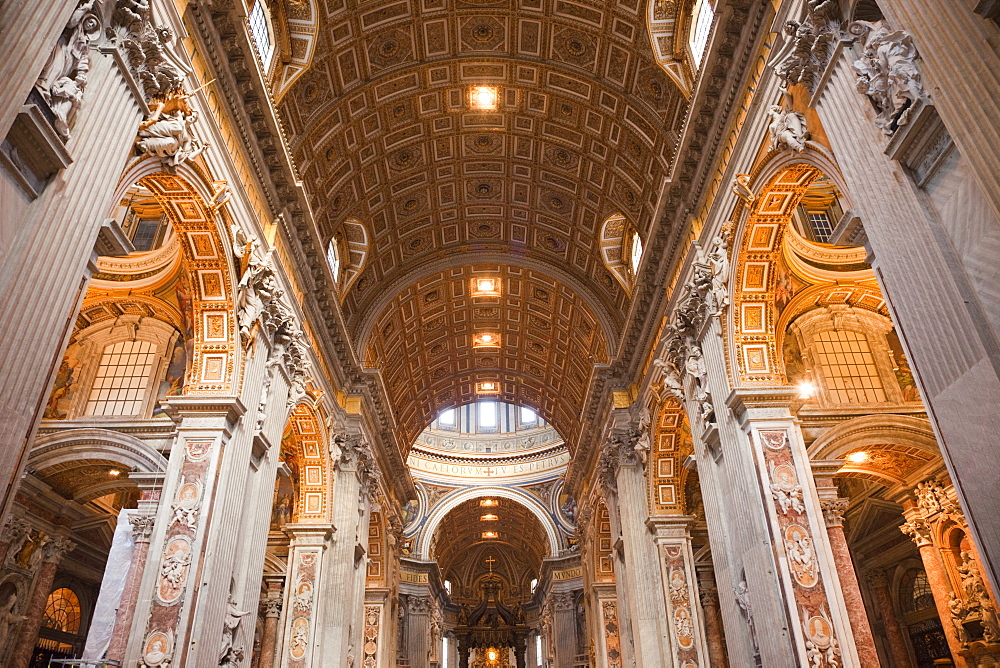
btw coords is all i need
(489, 471)
(489, 562)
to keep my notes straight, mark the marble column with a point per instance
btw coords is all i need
(272, 617)
(623, 471)
(899, 654)
(833, 515)
(142, 529)
(714, 637)
(52, 553)
(918, 529)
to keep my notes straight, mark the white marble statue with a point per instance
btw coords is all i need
(787, 129)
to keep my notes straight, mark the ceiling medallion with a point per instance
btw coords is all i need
(484, 98)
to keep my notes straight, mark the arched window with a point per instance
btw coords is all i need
(635, 254)
(915, 592)
(701, 27)
(621, 249)
(62, 611)
(333, 258)
(260, 31)
(122, 378)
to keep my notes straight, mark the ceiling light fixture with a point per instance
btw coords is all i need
(806, 389)
(485, 287)
(490, 535)
(489, 518)
(114, 473)
(858, 457)
(486, 340)
(489, 503)
(484, 98)
(487, 387)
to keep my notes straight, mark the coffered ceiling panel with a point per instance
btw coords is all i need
(383, 131)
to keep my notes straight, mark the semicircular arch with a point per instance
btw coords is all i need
(185, 196)
(455, 499)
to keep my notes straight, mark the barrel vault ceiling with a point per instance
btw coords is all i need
(382, 132)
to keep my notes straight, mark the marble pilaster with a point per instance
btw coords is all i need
(679, 585)
(624, 478)
(807, 567)
(947, 313)
(353, 488)
(306, 563)
(419, 611)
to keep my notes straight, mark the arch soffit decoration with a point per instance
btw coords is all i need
(215, 364)
(314, 464)
(778, 182)
(93, 443)
(898, 446)
(455, 499)
(666, 472)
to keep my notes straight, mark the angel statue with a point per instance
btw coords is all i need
(788, 129)
(167, 132)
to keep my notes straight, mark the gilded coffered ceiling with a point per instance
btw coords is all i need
(383, 132)
(518, 548)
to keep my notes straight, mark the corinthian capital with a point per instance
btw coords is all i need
(142, 527)
(918, 530)
(833, 511)
(54, 550)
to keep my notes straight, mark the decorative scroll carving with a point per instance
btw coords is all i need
(919, 531)
(833, 511)
(931, 497)
(354, 452)
(373, 615)
(810, 44)
(887, 73)
(973, 611)
(16, 533)
(619, 448)
(306, 566)
(787, 129)
(612, 639)
(261, 307)
(64, 77)
(147, 48)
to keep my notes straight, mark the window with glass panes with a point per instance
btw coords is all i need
(848, 367)
(821, 226)
(120, 385)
